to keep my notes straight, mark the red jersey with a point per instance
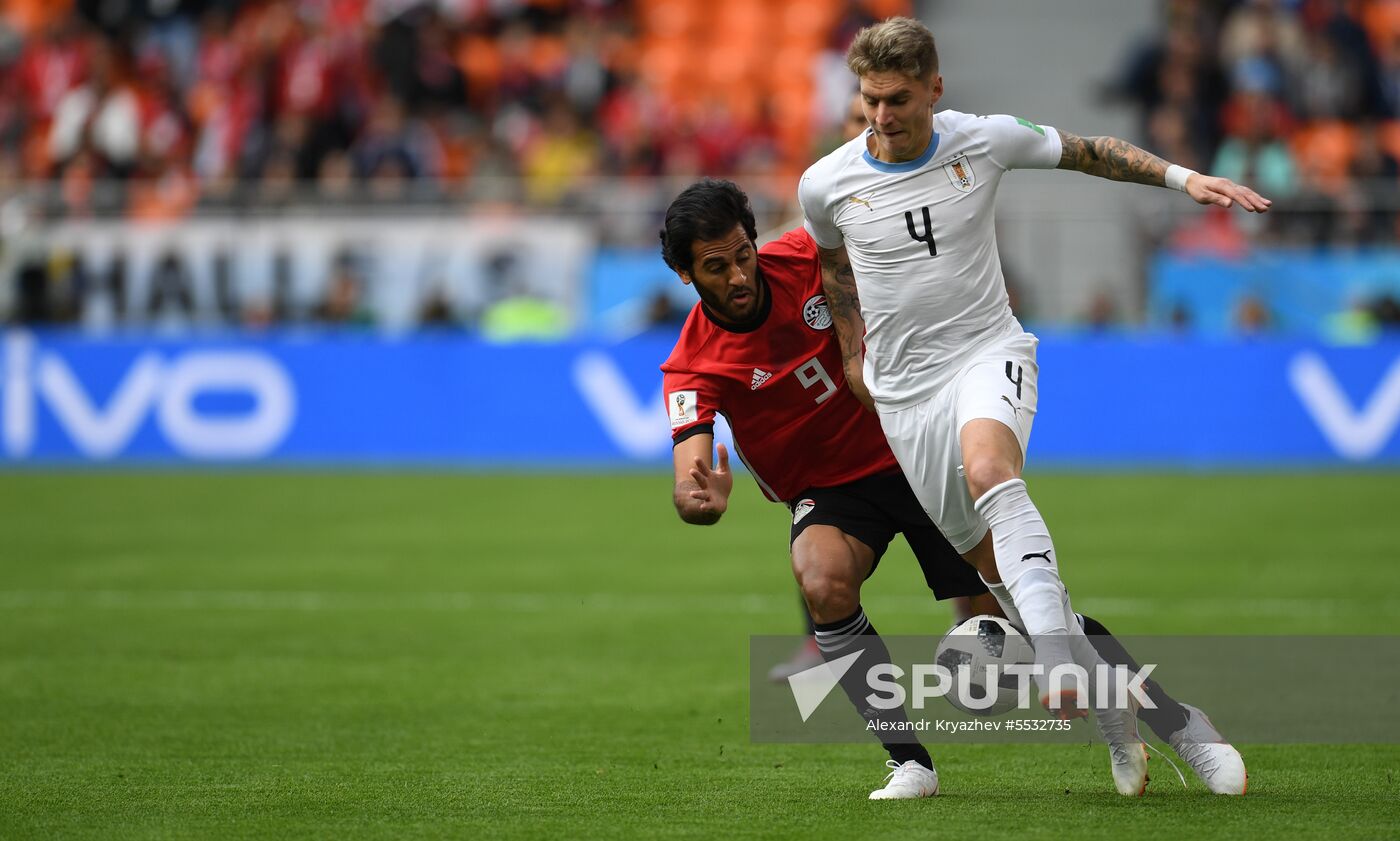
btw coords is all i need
(780, 384)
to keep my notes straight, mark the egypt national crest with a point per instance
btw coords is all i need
(816, 313)
(960, 173)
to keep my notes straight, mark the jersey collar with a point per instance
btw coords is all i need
(905, 166)
(765, 307)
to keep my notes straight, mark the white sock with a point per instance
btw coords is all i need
(1029, 569)
(1008, 605)
(1025, 556)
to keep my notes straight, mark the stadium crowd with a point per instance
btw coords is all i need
(1300, 98)
(181, 103)
(156, 107)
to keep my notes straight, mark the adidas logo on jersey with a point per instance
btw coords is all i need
(760, 377)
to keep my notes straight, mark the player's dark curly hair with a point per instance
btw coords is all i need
(707, 209)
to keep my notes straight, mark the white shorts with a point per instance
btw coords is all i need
(998, 383)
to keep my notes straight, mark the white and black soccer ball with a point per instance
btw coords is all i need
(967, 651)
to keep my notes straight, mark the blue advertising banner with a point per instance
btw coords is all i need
(329, 399)
(1302, 291)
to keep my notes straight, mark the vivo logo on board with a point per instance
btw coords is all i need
(164, 387)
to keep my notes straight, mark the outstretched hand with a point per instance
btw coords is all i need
(1209, 189)
(713, 484)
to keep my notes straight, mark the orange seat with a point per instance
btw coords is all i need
(809, 23)
(548, 55)
(669, 18)
(758, 57)
(30, 17)
(1324, 150)
(479, 59)
(888, 8)
(1390, 137)
(1381, 19)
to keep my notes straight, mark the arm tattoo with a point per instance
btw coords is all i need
(1111, 158)
(839, 284)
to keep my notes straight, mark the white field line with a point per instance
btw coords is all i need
(636, 603)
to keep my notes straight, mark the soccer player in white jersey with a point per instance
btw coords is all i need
(903, 218)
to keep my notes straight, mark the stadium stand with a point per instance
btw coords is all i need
(598, 109)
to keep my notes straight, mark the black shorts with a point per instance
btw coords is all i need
(873, 510)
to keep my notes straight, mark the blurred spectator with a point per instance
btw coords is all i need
(1333, 85)
(1386, 311)
(1303, 83)
(343, 303)
(1169, 134)
(515, 312)
(391, 140)
(663, 313)
(559, 156)
(1254, 151)
(1388, 73)
(1252, 315)
(100, 116)
(216, 103)
(1102, 313)
(1368, 206)
(1177, 70)
(155, 109)
(1264, 37)
(436, 311)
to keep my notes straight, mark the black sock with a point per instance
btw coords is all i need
(1169, 716)
(855, 633)
(806, 615)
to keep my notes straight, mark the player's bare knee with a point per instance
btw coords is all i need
(830, 597)
(986, 473)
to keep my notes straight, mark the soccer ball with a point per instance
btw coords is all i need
(967, 651)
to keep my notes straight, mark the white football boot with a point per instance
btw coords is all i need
(1127, 756)
(1202, 747)
(907, 782)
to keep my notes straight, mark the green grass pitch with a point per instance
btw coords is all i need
(427, 655)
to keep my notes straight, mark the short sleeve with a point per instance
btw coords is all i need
(816, 212)
(691, 401)
(1017, 143)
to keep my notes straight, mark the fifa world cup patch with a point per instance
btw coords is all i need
(816, 313)
(801, 510)
(960, 173)
(683, 408)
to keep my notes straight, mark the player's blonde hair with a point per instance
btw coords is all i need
(902, 45)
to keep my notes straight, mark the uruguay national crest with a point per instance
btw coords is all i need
(960, 173)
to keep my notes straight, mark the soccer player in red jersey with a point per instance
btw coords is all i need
(759, 348)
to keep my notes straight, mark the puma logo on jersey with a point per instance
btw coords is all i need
(760, 377)
(858, 200)
(1043, 555)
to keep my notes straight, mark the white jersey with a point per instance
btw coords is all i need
(921, 236)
